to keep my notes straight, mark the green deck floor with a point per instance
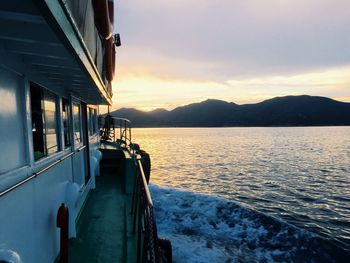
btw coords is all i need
(102, 234)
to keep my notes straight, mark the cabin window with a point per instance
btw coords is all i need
(90, 123)
(95, 120)
(44, 122)
(66, 126)
(77, 123)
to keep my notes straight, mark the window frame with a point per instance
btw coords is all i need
(57, 129)
(95, 116)
(66, 102)
(43, 138)
(92, 120)
(75, 141)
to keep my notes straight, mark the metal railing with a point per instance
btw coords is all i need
(34, 175)
(124, 129)
(109, 127)
(144, 219)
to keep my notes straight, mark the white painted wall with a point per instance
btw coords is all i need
(28, 213)
(79, 168)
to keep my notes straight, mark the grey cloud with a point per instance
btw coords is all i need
(225, 39)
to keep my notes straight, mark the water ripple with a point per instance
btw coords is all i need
(299, 175)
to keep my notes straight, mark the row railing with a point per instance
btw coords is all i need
(109, 129)
(124, 129)
(36, 174)
(144, 222)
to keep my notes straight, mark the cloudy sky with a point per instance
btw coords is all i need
(177, 52)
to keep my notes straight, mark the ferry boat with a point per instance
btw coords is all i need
(70, 190)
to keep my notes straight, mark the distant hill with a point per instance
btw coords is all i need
(280, 111)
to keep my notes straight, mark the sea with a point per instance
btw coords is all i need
(251, 194)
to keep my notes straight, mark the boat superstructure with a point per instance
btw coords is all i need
(56, 67)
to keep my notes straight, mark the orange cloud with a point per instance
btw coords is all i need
(147, 92)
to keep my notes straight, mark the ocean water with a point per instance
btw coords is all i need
(252, 194)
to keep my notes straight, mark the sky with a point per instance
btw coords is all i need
(177, 52)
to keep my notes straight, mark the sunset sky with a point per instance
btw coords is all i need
(177, 52)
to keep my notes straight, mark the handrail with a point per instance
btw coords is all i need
(144, 181)
(81, 148)
(144, 218)
(125, 129)
(108, 131)
(34, 175)
(123, 119)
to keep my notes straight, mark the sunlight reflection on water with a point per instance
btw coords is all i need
(301, 175)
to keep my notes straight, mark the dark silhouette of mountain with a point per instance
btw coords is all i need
(280, 111)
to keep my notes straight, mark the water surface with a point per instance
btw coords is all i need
(298, 176)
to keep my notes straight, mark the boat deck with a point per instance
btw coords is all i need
(104, 226)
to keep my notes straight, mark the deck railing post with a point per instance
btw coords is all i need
(120, 129)
(125, 130)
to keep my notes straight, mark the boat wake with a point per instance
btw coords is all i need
(204, 228)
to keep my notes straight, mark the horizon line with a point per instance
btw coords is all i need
(196, 102)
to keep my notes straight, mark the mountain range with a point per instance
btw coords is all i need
(301, 110)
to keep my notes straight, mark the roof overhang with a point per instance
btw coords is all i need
(41, 40)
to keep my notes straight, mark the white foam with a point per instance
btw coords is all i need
(204, 228)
